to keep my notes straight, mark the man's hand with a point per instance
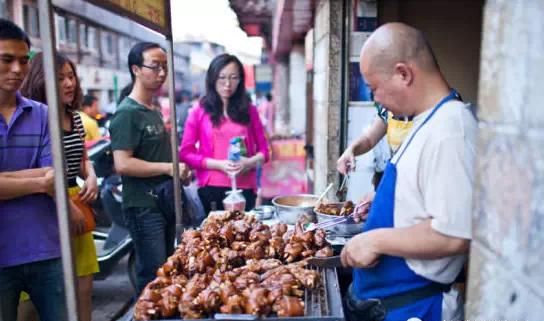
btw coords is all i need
(185, 173)
(360, 251)
(77, 219)
(346, 162)
(49, 182)
(89, 192)
(361, 211)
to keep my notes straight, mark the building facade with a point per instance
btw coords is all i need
(97, 40)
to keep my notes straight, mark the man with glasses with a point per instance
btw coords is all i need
(142, 156)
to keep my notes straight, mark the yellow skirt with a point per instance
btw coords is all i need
(84, 251)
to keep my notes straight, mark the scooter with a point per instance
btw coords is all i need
(111, 236)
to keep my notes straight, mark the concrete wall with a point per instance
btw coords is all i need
(506, 274)
(327, 91)
(297, 90)
(454, 30)
(281, 97)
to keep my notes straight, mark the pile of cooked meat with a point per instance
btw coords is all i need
(235, 264)
(338, 209)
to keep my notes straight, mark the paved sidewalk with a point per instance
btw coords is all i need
(111, 296)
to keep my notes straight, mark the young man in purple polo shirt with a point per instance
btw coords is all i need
(29, 237)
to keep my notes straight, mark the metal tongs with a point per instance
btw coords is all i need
(334, 221)
(343, 189)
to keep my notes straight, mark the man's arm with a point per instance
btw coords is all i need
(370, 137)
(419, 241)
(26, 173)
(126, 164)
(13, 187)
(361, 145)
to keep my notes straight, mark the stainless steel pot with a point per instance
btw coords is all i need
(292, 207)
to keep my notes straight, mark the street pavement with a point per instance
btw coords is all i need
(111, 297)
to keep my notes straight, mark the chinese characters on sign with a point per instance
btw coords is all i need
(151, 13)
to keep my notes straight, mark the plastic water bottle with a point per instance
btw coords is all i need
(234, 152)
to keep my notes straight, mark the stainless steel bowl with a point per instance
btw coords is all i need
(264, 212)
(292, 207)
(348, 228)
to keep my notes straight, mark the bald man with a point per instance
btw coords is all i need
(417, 235)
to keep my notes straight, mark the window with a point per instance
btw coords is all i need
(91, 38)
(31, 22)
(72, 31)
(61, 29)
(107, 43)
(124, 48)
(4, 9)
(83, 36)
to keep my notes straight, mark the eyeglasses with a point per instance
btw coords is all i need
(156, 68)
(232, 79)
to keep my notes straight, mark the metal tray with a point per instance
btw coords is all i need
(321, 304)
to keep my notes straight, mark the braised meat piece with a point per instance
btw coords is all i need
(347, 209)
(308, 278)
(146, 310)
(159, 283)
(171, 296)
(227, 234)
(261, 233)
(241, 229)
(324, 252)
(275, 247)
(210, 232)
(235, 305)
(180, 280)
(320, 238)
(246, 279)
(337, 209)
(210, 299)
(255, 250)
(278, 229)
(239, 246)
(257, 302)
(289, 306)
(292, 251)
(226, 290)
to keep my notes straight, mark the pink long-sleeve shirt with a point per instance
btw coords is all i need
(198, 145)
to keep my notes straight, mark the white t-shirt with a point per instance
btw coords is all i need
(435, 179)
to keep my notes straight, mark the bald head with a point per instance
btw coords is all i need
(397, 42)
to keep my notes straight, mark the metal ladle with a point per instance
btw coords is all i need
(323, 194)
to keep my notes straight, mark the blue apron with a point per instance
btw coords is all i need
(392, 275)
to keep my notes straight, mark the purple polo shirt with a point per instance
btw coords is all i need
(28, 225)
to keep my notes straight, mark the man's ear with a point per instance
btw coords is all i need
(404, 72)
(135, 69)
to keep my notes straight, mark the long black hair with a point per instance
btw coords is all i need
(136, 58)
(238, 104)
(33, 86)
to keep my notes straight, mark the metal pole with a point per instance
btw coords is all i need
(59, 160)
(174, 136)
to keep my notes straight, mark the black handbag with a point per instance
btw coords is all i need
(163, 194)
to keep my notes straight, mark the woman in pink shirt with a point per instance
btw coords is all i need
(223, 112)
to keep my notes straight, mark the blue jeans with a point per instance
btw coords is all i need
(153, 236)
(42, 280)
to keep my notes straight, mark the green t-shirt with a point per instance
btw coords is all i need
(141, 130)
